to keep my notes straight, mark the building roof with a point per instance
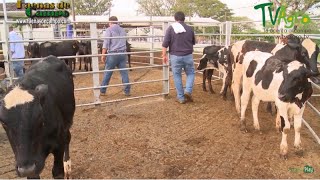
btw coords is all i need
(140, 21)
(12, 10)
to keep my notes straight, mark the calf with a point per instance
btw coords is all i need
(65, 48)
(33, 50)
(210, 53)
(271, 79)
(68, 48)
(313, 52)
(85, 49)
(292, 50)
(37, 113)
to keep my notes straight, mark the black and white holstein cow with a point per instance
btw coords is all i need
(37, 113)
(210, 54)
(293, 50)
(285, 82)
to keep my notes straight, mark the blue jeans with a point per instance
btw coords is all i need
(112, 62)
(18, 68)
(177, 64)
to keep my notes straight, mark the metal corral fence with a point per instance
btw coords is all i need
(207, 34)
(94, 36)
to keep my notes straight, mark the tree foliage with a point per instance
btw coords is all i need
(203, 8)
(92, 7)
(156, 8)
(297, 6)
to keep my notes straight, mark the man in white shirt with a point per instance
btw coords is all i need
(17, 52)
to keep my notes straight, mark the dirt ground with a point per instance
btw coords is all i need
(159, 138)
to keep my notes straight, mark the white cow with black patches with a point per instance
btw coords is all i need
(305, 52)
(286, 83)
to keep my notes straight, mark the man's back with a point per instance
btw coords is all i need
(17, 49)
(180, 44)
(118, 44)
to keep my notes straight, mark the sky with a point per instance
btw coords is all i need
(129, 7)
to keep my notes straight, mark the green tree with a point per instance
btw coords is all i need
(203, 8)
(91, 7)
(156, 8)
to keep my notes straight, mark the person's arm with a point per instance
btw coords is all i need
(165, 45)
(105, 45)
(164, 55)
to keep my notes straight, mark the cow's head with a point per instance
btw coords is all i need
(203, 63)
(75, 46)
(82, 47)
(313, 52)
(295, 84)
(224, 55)
(33, 50)
(22, 116)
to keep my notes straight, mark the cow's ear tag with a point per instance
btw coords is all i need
(74, 46)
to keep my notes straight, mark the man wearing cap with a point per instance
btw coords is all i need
(117, 45)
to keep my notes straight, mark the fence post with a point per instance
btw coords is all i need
(152, 42)
(220, 31)
(165, 69)
(228, 33)
(95, 62)
(6, 47)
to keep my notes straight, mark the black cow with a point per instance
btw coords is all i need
(210, 54)
(33, 50)
(128, 45)
(37, 113)
(68, 48)
(85, 49)
(65, 48)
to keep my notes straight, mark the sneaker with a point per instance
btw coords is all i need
(188, 97)
(127, 94)
(102, 94)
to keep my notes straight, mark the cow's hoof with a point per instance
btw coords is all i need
(243, 129)
(67, 169)
(284, 156)
(205, 90)
(258, 131)
(212, 92)
(256, 127)
(299, 152)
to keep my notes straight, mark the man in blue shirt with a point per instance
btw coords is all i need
(17, 52)
(117, 45)
(180, 39)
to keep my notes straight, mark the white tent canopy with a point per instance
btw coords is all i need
(144, 20)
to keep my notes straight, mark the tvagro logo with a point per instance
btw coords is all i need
(281, 15)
